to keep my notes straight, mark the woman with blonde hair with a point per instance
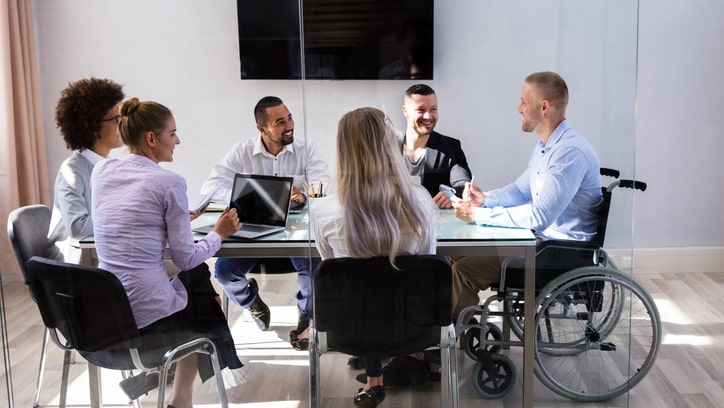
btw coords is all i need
(140, 209)
(377, 210)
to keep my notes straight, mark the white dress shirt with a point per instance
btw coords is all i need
(250, 156)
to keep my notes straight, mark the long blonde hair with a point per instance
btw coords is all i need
(382, 214)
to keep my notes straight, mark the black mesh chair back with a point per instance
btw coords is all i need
(367, 307)
(88, 306)
(87, 309)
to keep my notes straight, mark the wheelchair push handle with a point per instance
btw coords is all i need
(625, 183)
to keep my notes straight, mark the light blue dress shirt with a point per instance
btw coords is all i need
(72, 219)
(558, 194)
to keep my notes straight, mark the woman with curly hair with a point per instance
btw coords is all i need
(87, 115)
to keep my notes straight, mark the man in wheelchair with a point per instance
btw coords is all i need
(557, 196)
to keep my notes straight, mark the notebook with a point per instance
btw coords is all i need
(261, 202)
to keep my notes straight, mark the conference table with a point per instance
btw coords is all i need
(454, 238)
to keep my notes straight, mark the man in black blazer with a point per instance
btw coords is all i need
(434, 158)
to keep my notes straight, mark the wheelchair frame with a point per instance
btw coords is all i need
(597, 330)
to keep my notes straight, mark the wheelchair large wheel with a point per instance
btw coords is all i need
(605, 300)
(611, 311)
(496, 382)
(471, 340)
(597, 334)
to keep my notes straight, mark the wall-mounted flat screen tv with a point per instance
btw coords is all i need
(343, 39)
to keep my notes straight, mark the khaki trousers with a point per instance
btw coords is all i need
(470, 275)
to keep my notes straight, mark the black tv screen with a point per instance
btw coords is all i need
(343, 39)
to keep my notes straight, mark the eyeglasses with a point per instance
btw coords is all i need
(116, 119)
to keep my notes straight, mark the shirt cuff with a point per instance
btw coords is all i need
(483, 215)
(214, 239)
(489, 202)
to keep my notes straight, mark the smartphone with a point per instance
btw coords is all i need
(448, 191)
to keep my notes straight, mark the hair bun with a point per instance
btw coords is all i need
(129, 106)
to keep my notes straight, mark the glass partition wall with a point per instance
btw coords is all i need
(483, 50)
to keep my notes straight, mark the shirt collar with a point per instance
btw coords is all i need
(557, 134)
(260, 149)
(91, 156)
(140, 160)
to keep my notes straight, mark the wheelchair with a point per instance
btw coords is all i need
(597, 330)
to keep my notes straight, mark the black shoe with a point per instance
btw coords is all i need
(302, 324)
(404, 371)
(139, 385)
(432, 356)
(296, 342)
(259, 310)
(369, 398)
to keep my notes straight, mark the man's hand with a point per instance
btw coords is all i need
(464, 210)
(442, 201)
(474, 194)
(297, 196)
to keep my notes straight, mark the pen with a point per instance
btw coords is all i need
(466, 193)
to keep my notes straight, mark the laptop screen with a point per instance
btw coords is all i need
(261, 199)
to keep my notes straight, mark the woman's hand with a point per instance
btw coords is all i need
(228, 223)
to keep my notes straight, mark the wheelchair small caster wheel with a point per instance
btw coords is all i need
(495, 381)
(471, 340)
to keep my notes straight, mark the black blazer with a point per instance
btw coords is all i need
(445, 163)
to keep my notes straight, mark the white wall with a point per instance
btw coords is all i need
(184, 54)
(680, 125)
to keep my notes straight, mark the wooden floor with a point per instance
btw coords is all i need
(689, 371)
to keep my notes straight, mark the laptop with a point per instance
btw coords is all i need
(261, 202)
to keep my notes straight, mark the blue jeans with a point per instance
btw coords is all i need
(231, 273)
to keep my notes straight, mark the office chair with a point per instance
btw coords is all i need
(369, 308)
(28, 232)
(87, 309)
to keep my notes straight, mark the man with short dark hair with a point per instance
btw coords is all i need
(275, 152)
(434, 158)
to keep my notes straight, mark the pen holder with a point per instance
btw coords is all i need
(318, 189)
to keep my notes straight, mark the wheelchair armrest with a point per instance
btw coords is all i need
(565, 244)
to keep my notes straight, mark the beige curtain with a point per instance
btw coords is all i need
(23, 166)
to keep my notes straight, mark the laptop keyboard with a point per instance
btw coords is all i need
(254, 228)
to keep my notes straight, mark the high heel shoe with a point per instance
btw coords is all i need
(369, 398)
